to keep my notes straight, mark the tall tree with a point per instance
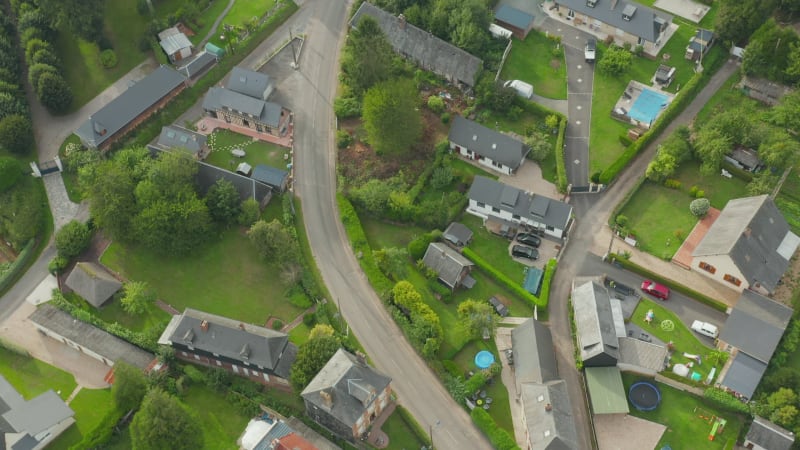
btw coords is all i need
(162, 423)
(138, 296)
(367, 59)
(109, 189)
(129, 387)
(711, 146)
(787, 113)
(54, 92)
(274, 242)
(311, 358)
(738, 19)
(72, 239)
(768, 52)
(82, 17)
(10, 173)
(224, 202)
(477, 317)
(391, 116)
(173, 227)
(779, 150)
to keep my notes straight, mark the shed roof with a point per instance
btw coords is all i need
(174, 136)
(457, 233)
(427, 50)
(769, 436)
(642, 22)
(533, 207)
(446, 262)
(534, 354)
(606, 390)
(487, 142)
(129, 105)
(594, 321)
(92, 282)
(756, 325)
(549, 427)
(744, 374)
(746, 156)
(514, 17)
(248, 82)
(270, 176)
(90, 337)
(646, 355)
(174, 43)
(200, 62)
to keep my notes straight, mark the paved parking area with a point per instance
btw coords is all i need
(624, 432)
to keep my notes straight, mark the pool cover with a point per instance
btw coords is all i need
(648, 106)
(533, 279)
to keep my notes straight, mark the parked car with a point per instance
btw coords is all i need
(655, 289)
(620, 288)
(705, 328)
(523, 251)
(529, 239)
(590, 50)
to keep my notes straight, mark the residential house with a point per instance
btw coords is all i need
(594, 322)
(199, 64)
(175, 44)
(277, 179)
(250, 351)
(93, 282)
(457, 234)
(763, 90)
(699, 44)
(423, 48)
(347, 395)
(751, 334)
(534, 353)
(765, 435)
(627, 21)
(250, 83)
(245, 111)
(488, 147)
(518, 22)
(745, 158)
(31, 424)
(450, 266)
(293, 441)
(131, 108)
(490, 198)
(547, 416)
(87, 338)
(749, 246)
(177, 137)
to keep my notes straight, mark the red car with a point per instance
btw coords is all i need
(655, 289)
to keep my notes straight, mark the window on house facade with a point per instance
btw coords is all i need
(515, 216)
(497, 210)
(732, 280)
(197, 357)
(549, 228)
(481, 205)
(707, 267)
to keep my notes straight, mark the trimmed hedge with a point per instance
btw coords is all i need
(549, 273)
(422, 180)
(702, 298)
(18, 267)
(504, 280)
(726, 401)
(358, 239)
(624, 202)
(499, 438)
(561, 170)
(413, 424)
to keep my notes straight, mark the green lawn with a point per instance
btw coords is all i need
(657, 213)
(500, 409)
(681, 336)
(788, 200)
(401, 435)
(31, 377)
(299, 334)
(382, 234)
(112, 312)
(680, 412)
(222, 423)
(90, 406)
(226, 277)
(71, 178)
(726, 97)
(493, 248)
(532, 61)
(207, 19)
(257, 152)
(243, 11)
(466, 171)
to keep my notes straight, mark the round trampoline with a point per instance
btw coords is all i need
(644, 396)
(484, 359)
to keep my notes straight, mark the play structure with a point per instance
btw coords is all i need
(484, 359)
(717, 423)
(649, 316)
(644, 396)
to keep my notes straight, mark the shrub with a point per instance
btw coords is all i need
(309, 320)
(725, 401)
(277, 324)
(57, 264)
(561, 170)
(504, 280)
(72, 239)
(693, 191)
(108, 58)
(418, 245)
(499, 438)
(476, 382)
(347, 107)
(700, 194)
(343, 139)
(625, 140)
(699, 207)
(595, 178)
(672, 183)
(436, 104)
(445, 118)
(10, 173)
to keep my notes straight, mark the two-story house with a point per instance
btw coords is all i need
(488, 147)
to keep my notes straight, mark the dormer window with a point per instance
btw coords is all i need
(591, 3)
(628, 12)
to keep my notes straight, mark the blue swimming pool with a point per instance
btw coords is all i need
(648, 106)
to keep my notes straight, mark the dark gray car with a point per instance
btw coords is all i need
(523, 251)
(529, 239)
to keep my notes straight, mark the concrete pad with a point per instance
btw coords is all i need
(625, 432)
(688, 9)
(43, 292)
(19, 331)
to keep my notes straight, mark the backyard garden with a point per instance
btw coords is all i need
(538, 61)
(221, 142)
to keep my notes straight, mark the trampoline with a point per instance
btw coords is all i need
(484, 359)
(644, 396)
(648, 106)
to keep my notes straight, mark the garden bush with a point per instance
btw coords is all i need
(343, 139)
(499, 438)
(108, 59)
(418, 245)
(346, 107)
(72, 239)
(445, 118)
(726, 401)
(504, 280)
(561, 170)
(672, 183)
(436, 104)
(699, 207)
(102, 432)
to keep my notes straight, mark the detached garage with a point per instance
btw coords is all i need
(519, 22)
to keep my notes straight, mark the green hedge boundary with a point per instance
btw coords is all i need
(561, 169)
(549, 273)
(504, 280)
(499, 438)
(625, 200)
(413, 424)
(702, 298)
(18, 267)
(358, 240)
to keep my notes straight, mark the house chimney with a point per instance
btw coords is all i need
(474, 137)
(402, 19)
(327, 399)
(548, 407)
(362, 358)
(204, 325)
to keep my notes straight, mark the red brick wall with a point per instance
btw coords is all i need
(254, 373)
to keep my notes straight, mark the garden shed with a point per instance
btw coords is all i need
(214, 50)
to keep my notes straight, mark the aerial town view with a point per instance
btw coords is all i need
(400, 224)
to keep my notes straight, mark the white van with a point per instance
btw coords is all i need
(523, 89)
(705, 328)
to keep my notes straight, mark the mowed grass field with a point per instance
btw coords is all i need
(534, 62)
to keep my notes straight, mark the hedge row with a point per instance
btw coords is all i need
(358, 239)
(413, 424)
(500, 438)
(725, 401)
(561, 170)
(549, 273)
(702, 298)
(415, 190)
(102, 432)
(504, 280)
(624, 202)
(18, 266)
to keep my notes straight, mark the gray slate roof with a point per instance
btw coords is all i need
(173, 136)
(767, 435)
(646, 355)
(352, 385)
(92, 282)
(753, 232)
(534, 354)
(129, 105)
(554, 429)
(744, 374)
(427, 50)
(89, 336)
(756, 325)
(594, 321)
(270, 176)
(487, 142)
(746, 156)
(174, 43)
(248, 82)
(259, 346)
(200, 62)
(643, 23)
(218, 98)
(30, 416)
(513, 17)
(532, 206)
(457, 233)
(446, 262)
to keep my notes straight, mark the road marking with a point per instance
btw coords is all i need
(580, 67)
(577, 161)
(580, 80)
(577, 122)
(579, 107)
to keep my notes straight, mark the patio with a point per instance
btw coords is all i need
(207, 125)
(689, 10)
(640, 105)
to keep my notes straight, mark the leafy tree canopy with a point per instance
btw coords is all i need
(311, 358)
(163, 422)
(391, 116)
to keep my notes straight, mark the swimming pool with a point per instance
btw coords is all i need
(648, 106)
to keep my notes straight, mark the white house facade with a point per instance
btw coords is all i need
(487, 147)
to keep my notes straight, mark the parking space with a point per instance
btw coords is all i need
(280, 69)
(547, 250)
